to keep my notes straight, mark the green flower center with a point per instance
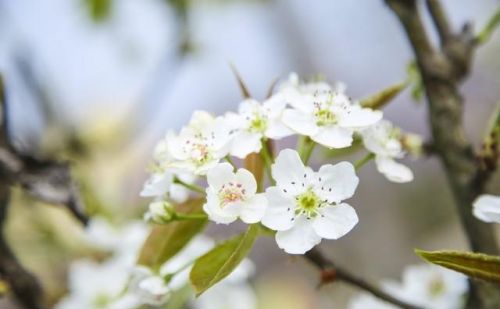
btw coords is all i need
(436, 286)
(101, 300)
(258, 124)
(200, 153)
(325, 117)
(308, 204)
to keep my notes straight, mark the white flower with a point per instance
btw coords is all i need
(305, 207)
(326, 115)
(255, 121)
(161, 182)
(200, 145)
(93, 285)
(233, 195)
(487, 208)
(383, 140)
(234, 289)
(159, 212)
(155, 288)
(430, 286)
(123, 241)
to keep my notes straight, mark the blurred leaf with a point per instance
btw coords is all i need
(243, 87)
(179, 298)
(383, 97)
(219, 262)
(255, 164)
(415, 81)
(475, 265)
(165, 241)
(489, 28)
(99, 10)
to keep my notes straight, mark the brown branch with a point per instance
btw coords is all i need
(335, 272)
(21, 282)
(441, 71)
(440, 20)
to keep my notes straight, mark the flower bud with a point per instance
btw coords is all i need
(159, 212)
(412, 143)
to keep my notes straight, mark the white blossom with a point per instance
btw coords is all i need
(159, 212)
(487, 208)
(161, 183)
(305, 206)
(383, 140)
(255, 121)
(233, 195)
(326, 115)
(93, 285)
(200, 145)
(155, 288)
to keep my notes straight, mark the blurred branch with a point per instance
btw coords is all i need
(46, 180)
(442, 70)
(330, 273)
(21, 283)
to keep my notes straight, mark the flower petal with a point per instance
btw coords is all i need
(335, 221)
(156, 185)
(300, 122)
(277, 130)
(336, 182)
(245, 143)
(220, 175)
(394, 171)
(290, 173)
(300, 238)
(487, 208)
(225, 215)
(359, 117)
(254, 209)
(334, 137)
(279, 212)
(247, 180)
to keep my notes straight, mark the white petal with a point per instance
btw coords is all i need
(178, 193)
(175, 144)
(290, 173)
(275, 105)
(220, 175)
(248, 106)
(335, 221)
(277, 130)
(300, 122)
(300, 238)
(487, 208)
(253, 209)
(336, 182)
(280, 210)
(156, 185)
(359, 117)
(395, 172)
(333, 137)
(244, 143)
(247, 180)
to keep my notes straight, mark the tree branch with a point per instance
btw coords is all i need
(326, 265)
(440, 20)
(441, 72)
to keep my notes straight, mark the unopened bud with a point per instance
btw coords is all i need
(159, 212)
(412, 143)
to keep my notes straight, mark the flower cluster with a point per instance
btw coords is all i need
(301, 205)
(426, 286)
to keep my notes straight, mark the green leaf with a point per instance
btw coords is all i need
(219, 262)
(165, 241)
(380, 99)
(474, 265)
(99, 10)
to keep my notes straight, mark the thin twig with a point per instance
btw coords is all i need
(324, 264)
(440, 20)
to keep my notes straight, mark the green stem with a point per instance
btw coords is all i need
(230, 161)
(264, 152)
(363, 161)
(183, 217)
(189, 186)
(307, 150)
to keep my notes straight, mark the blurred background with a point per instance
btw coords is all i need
(98, 82)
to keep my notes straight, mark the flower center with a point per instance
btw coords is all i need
(308, 204)
(436, 286)
(101, 300)
(200, 153)
(230, 193)
(325, 117)
(258, 124)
